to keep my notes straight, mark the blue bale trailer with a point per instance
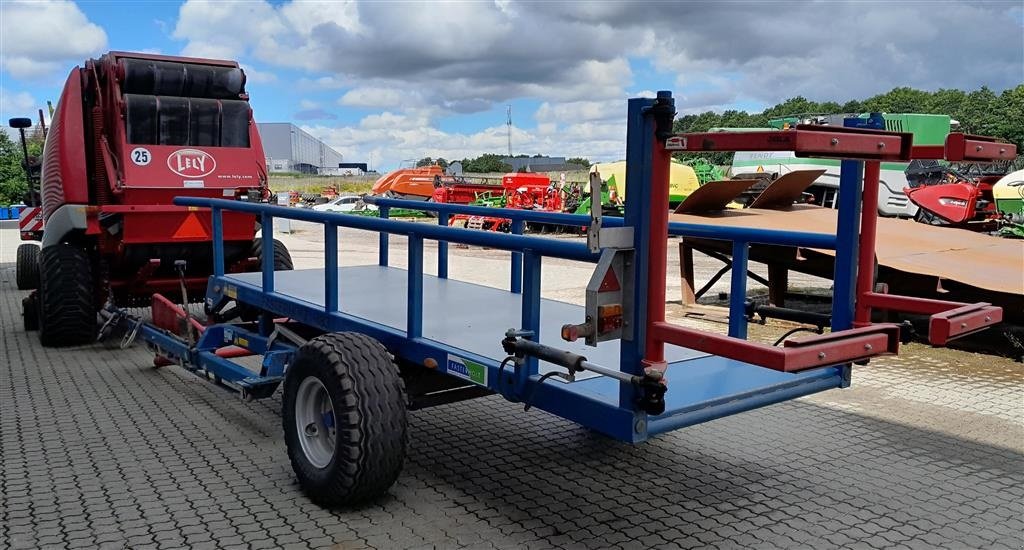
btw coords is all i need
(353, 348)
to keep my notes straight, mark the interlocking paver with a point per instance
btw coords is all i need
(100, 448)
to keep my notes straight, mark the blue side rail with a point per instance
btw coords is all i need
(741, 238)
(596, 403)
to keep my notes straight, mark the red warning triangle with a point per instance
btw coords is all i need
(191, 228)
(610, 283)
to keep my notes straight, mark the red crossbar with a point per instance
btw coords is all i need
(949, 320)
(954, 323)
(797, 354)
(804, 141)
(960, 147)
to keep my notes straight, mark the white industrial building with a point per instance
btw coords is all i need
(289, 148)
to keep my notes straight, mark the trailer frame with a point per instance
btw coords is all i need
(701, 377)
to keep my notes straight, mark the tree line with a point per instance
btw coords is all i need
(492, 162)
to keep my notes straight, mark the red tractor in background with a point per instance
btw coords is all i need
(130, 133)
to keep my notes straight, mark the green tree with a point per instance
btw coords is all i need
(488, 162)
(946, 102)
(13, 184)
(1010, 125)
(852, 106)
(425, 161)
(981, 112)
(579, 160)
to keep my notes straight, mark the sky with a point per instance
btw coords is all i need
(385, 82)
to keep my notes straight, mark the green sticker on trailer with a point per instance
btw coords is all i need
(464, 368)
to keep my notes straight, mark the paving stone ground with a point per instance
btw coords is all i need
(98, 449)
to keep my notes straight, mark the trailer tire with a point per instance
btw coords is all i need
(67, 309)
(27, 267)
(354, 380)
(282, 258)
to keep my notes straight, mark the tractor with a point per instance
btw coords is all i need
(130, 133)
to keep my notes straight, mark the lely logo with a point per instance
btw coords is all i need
(191, 163)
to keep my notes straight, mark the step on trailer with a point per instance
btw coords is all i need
(355, 347)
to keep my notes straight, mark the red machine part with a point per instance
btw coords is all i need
(797, 354)
(953, 202)
(805, 141)
(64, 172)
(948, 320)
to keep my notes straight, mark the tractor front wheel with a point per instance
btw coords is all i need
(344, 413)
(27, 267)
(67, 309)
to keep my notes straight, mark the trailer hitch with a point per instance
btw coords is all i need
(651, 385)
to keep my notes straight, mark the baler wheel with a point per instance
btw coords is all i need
(27, 267)
(344, 416)
(30, 312)
(67, 314)
(282, 258)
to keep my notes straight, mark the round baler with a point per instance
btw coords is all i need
(130, 133)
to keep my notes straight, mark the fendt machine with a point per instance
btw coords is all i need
(130, 133)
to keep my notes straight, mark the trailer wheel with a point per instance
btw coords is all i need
(27, 267)
(282, 258)
(67, 312)
(344, 418)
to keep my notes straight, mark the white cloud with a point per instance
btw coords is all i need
(393, 137)
(42, 38)
(379, 97)
(418, 62)
(14, 104)
(257, 76)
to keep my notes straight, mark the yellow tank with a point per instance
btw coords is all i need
(1009, 193)
(682, 179)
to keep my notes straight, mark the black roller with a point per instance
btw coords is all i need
(165, 78)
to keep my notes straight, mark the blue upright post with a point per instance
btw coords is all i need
(384, 212)
(442, 248)
(639, 151)
(738, 290)
(217, 224)
(267, 251)
(851, 177)
(331, 268)
(414, 311)
(530, 309)
(517, 260)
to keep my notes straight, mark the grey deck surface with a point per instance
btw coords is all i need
(464, 315)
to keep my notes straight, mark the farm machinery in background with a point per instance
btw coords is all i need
(130, 133)
(964, 195)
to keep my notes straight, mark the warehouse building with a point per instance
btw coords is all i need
(289, 148)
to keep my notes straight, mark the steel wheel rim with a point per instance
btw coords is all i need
(314, 422)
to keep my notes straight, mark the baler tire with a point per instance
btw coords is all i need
(353, 378)
(67, 312)
(30, 312)
(27, 267)
(282, 258)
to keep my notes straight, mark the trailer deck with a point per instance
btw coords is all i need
(376, 295)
